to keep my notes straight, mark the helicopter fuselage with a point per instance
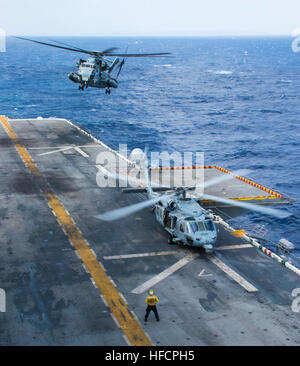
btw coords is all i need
(94, 72)
(186, 222)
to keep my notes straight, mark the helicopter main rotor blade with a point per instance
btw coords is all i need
(139, 54)
(139, 181)
(129, 210)
(108, 50)
(66, 44)
(56, 46)
(97, 53)
(248, 206)
(125, 178)
(71, 48)
(119, 213)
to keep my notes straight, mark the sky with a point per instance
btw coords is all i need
(149, 17)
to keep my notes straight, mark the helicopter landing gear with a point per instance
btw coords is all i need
(107, 91)
(170, 240)
(82, 86)
(209, 250)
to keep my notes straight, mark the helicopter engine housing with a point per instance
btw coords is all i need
(172, 205)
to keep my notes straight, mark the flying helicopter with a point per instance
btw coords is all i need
(186, 221)
(97, 70)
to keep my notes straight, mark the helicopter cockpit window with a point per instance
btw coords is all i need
(196, 226)
(201, 226)
(209, 225)
(193, 227)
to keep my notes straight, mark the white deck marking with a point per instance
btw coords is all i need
(139, 255)
(58, 147)
(182, 262)
(47, 147)
(201, 274)
(54, 151)
(231, 273)
(170, 252)
(81, 152)
(228, 247)
(63, 148)
(164, 274)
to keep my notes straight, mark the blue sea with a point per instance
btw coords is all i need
(235, 99)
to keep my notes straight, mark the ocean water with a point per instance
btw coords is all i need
(235, 99)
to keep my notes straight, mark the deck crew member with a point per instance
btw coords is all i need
(151, 301)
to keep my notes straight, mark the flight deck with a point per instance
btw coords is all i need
(70, 279)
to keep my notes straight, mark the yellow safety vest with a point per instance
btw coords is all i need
(151, 300)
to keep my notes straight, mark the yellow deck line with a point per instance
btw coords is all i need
(128, 323)
(244, 198)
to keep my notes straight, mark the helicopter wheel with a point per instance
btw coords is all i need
(170, 240)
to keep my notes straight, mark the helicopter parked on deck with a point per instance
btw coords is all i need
(184, 218)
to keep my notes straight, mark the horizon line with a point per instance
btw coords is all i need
(156, 36)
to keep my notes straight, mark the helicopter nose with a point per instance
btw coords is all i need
(74, 77)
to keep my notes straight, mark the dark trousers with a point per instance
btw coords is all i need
(151, 308)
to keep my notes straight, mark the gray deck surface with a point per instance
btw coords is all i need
(50, 297)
